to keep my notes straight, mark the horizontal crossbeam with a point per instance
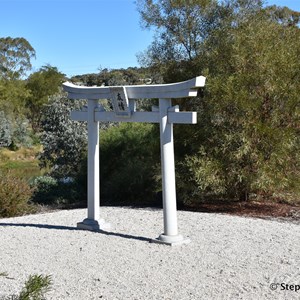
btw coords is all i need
(140, 117)
(187, 88)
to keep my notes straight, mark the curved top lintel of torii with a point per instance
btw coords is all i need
(182, 89)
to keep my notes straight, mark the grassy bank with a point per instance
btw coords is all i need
(22, 163)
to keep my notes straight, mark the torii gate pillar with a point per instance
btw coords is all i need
(92, 222)
(123, 99)
(170, 234)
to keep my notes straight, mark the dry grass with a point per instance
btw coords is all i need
(21, 154)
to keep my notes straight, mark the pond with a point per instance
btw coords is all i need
(22, 163)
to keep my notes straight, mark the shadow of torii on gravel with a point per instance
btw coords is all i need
(60, 227)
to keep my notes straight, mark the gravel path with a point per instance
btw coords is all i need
(228, 257)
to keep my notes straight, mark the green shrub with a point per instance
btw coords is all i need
(64, 140)
(51, 191)
(6, 130)
(22, 134)
(246, 143)
(15, 195)
(129, 162)
(45, 187)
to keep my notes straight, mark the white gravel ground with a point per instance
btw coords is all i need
(228, 257)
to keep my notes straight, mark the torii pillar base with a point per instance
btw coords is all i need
(93, 225)
(171, 240)
(170, 236)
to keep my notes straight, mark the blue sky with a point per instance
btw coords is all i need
(79, 36)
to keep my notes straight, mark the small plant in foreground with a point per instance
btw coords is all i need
(36, 287)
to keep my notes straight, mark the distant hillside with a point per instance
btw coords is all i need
(110, 77)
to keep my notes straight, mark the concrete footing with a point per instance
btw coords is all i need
(93, 225)
(171, 240)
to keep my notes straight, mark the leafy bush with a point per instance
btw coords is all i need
(45, 187)
(51, 191)
(15, 195)
(14, 133)
(247, 140)
(129, 161)
(64, 140)
(246, 143)
(5, 130)
(22, 136)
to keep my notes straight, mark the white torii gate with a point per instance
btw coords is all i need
(123, 100)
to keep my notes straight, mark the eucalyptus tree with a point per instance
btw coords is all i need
(15, 61)
(15, 57)
(42, 84)
(181, 28)
(247, 139)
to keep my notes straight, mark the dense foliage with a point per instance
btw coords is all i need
(246, 143)
(22, 99)
(15, 57)
(5, 130)
(44, 83)
(129, 162)
(64, 140)
(15, 195)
